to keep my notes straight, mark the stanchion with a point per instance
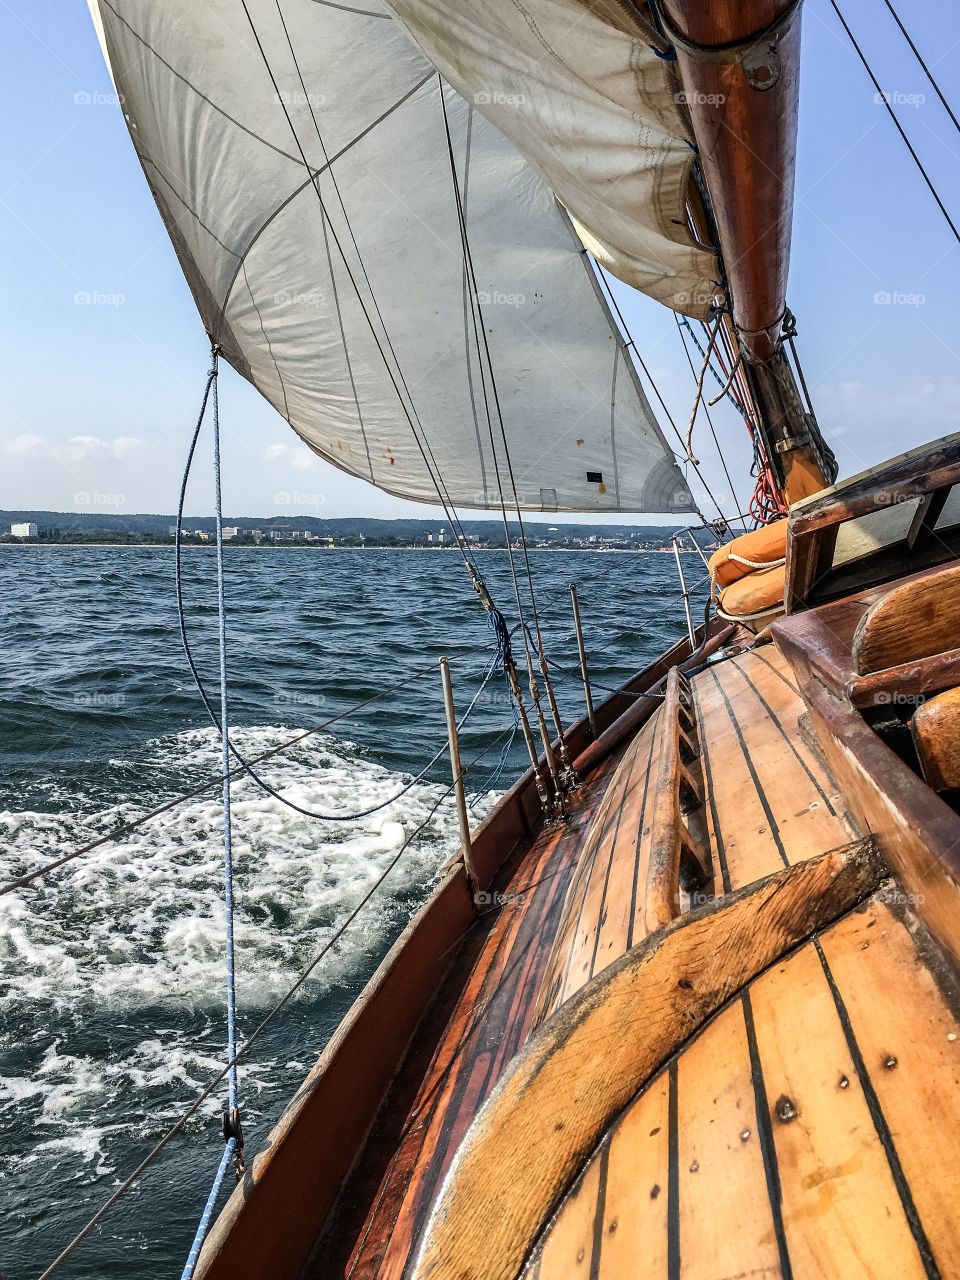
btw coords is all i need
(581, 648)
(460, 790)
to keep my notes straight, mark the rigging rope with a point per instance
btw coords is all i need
(926, 70)
(765, 503)
(244, 1049)
(232, 1131)
(699, 391)
(195, 672)
(568, 779)
(713, 432)
(885, 99)
(232, 1119)
(605, 286)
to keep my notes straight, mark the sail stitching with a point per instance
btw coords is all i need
(266, 338)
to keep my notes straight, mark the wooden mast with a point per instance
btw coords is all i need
(739, 66)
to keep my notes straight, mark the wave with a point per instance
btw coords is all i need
(140, 921)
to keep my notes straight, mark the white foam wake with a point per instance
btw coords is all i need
(112, 970)
(140, 922)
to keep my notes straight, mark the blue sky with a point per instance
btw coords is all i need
(97, 401)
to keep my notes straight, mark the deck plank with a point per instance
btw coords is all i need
(719, 1171)
(802, 1151)
(908, 1038)
(769, 802)
(468, 1039)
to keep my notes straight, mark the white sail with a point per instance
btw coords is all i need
(299, 156)
(578, 89)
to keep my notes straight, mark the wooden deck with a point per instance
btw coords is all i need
(769, 803)
(807, 1132)
(791, 1136)
(480, 1018)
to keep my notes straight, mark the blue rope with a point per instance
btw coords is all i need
(494, 777)
(225, 756)
(204, 1224)
(231, 1119)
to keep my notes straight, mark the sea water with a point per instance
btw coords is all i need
(112, 969)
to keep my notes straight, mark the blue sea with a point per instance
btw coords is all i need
(112, 969)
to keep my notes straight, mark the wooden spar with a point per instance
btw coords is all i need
(744, 113)
(739, 67)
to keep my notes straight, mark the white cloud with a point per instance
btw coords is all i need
(25, 446)
(298, 455)
(76, 449)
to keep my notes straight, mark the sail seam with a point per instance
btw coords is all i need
(266, 338)
(468, 304)
(311, 180)
(202, 96)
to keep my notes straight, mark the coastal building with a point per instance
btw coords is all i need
(231, 531)
(24, 530)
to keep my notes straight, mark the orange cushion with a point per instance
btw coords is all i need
(759, 590)
(763, 546)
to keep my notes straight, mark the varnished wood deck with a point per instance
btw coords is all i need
(774, 803)
(769, 802)
(807, 1132)
(786, 1139)
(480, 1018)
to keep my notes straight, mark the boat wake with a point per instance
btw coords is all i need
(112, 970)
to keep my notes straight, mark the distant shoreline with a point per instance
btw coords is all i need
(302, 546)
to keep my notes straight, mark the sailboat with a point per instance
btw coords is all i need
(685, 1004)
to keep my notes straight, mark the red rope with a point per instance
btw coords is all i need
(765, 503)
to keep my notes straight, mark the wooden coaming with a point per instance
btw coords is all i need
(807, 1132)
(575, 1076)
(917, 831)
